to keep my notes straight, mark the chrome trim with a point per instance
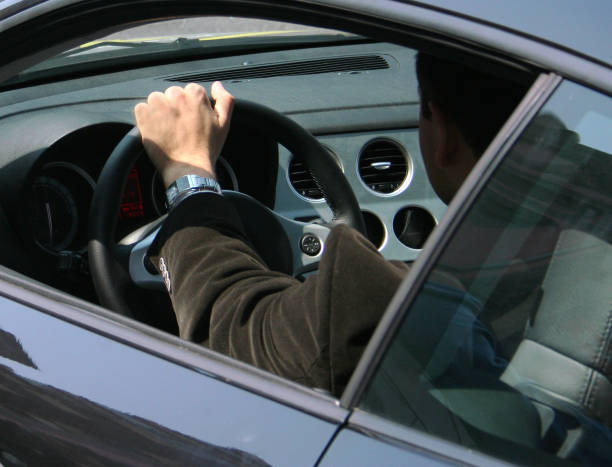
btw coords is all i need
(409, 167)
(381, 165)
(530, 105)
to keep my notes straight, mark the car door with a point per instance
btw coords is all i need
(77, 388)
(82, 386)
(79, 385)
(502, 342)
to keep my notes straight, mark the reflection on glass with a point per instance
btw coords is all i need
(507, 346)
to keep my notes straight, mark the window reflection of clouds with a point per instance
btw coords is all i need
(595, 131)
(595, 125)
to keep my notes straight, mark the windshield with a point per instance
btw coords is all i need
(212, 26)
(183, 38)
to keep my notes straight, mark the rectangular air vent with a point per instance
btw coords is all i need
(304, 67)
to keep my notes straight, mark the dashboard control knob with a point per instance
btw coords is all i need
(310, 245)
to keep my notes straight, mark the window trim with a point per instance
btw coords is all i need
(531, 104)
(413, 439)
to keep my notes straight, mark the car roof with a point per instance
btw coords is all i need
(582, 26)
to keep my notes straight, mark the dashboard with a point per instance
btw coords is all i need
(359, 100)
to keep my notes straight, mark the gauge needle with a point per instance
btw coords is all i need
(49, 222)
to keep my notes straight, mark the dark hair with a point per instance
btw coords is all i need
(478, 103)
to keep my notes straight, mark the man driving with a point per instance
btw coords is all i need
(224, 295)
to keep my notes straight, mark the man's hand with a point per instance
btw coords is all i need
(181, 131)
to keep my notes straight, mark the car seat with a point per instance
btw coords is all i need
(564, 362)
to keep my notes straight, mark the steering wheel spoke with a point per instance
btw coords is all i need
(307, 241)
(142, 273)
(285, 245)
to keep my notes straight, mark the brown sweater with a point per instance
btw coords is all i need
(226, 298)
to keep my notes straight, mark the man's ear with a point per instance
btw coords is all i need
(446, 136)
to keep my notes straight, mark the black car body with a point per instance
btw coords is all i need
(530, 230)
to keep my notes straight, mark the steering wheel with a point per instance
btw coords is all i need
(286, 245)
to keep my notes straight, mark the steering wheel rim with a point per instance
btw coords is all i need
(109, 261)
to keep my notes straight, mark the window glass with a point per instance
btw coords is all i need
(195, 35)
(211, 27)
(507, 347)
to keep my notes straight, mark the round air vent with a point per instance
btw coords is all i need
(412, 225)
(375, 229)
(301, 180)
(384, 166)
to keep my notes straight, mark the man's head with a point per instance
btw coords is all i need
(461, 111)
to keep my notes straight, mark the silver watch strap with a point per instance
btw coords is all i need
(188, 185)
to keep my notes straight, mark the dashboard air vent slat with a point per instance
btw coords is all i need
(383, 166)
(302, 181)
(304, 67)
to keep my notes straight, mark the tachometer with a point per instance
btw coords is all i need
(56, 217)
(59, 202)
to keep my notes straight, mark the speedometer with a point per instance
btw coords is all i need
(56, 217)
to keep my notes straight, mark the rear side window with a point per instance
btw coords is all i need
(508, 346)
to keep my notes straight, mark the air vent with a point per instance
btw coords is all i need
(305, 67)
(384, 166)
(301, 180)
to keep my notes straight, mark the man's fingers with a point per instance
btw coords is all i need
(198, 92)
(174, 92)
(224, 103)
(139, 110)
(195, 89)
(155, 97)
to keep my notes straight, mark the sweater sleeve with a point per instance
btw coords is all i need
(225, 297)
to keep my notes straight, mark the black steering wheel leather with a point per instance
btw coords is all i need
(109, 261)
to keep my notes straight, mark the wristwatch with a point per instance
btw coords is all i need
(187, 185)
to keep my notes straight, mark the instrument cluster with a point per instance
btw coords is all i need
(63, 184)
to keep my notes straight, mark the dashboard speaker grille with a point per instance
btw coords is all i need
(303, 67)
(383, 166)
